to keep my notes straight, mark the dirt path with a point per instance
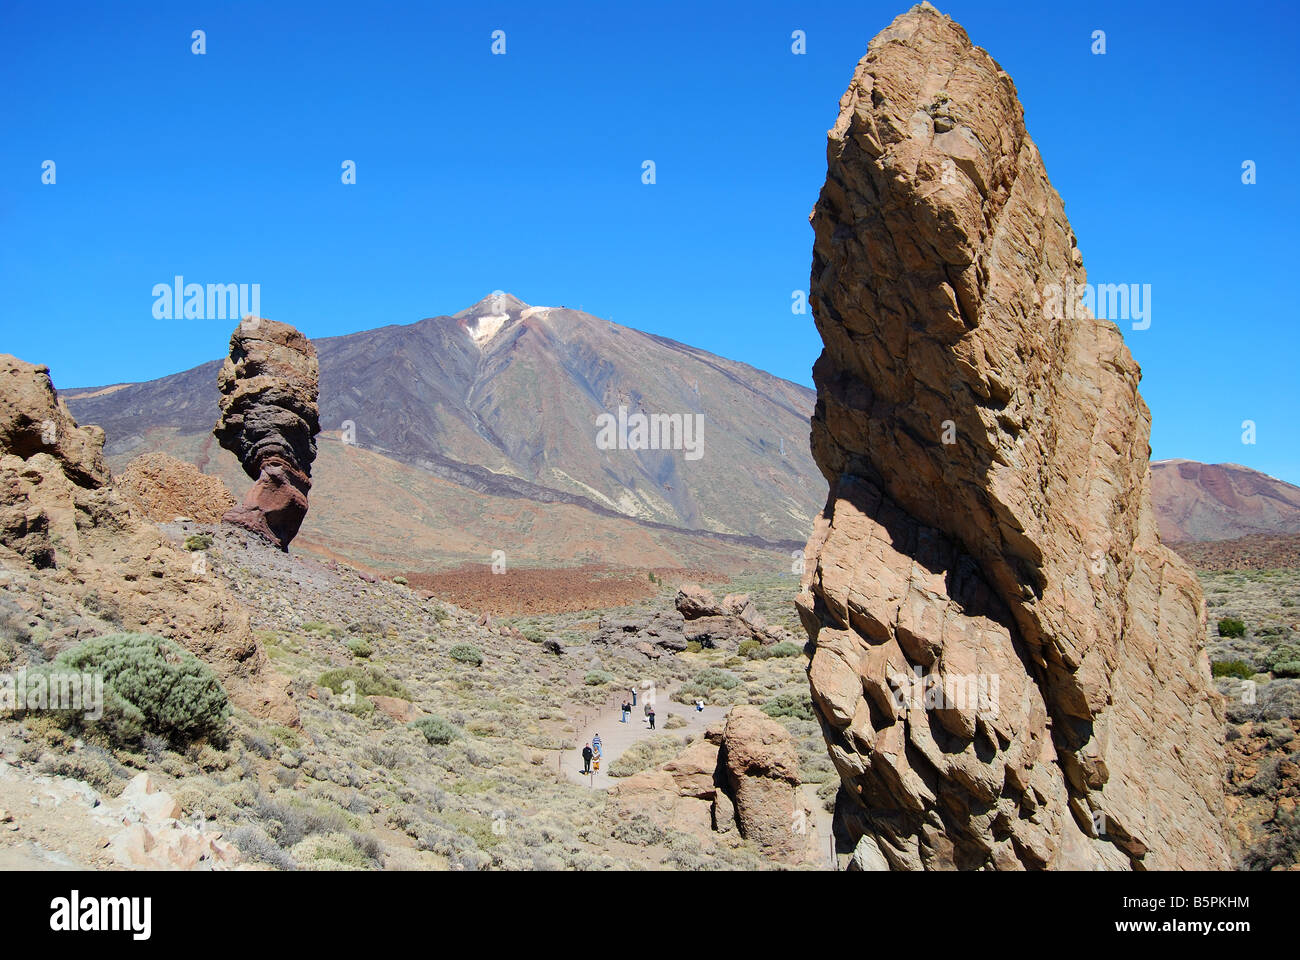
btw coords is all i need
(616, 737)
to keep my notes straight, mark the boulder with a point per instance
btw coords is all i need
(162, 488)
(147, 803)
(403, 711)
(761, 765)
(1008, 667)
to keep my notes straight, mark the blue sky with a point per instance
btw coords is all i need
(523, 173)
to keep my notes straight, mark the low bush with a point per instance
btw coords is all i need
(367, 681)
(785, 649)
(466, 653)
(1231, 627)
(595, 678)
(1232, 668)
(1284, 660)
(360, 647)
(198, 541)
(797, 705)
(645, 754)
(436, 730)
(150, 685)
(715, 679)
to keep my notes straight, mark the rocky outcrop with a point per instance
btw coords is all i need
(269, 419)
(73, 556)
(1008, 670)
(154, 835)
(660, 633)
(738, 782)
(163, 488)
(724, 624)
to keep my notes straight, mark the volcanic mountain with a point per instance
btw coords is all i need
(479, 429)
(1220, 501)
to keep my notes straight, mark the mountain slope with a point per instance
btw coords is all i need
(1220, 501)
(504, 398)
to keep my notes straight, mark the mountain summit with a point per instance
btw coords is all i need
(508, 399)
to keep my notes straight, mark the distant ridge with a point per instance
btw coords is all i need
(1220, 501)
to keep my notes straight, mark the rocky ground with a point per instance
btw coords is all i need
(356, 785)
(1260, 679)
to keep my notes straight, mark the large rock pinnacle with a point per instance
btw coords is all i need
(269, 420)
(1008, 667)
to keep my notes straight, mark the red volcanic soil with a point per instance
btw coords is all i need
(523, 590)
(1257, 552)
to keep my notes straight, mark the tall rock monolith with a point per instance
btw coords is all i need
(269, 419)
(1008, 664)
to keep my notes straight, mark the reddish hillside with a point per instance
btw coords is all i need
(1220, 501)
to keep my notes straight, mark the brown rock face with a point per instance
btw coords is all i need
(68, 536)
(1008, 669)
(269, 419)
(163, 488)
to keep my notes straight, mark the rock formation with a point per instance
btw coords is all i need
(728, 623)
(163, 488)
(1008, 670)
(699, 617)
(740, 781)
(76, 561)
(269, 420)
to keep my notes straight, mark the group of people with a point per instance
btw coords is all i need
(649, 712)
(591, 753)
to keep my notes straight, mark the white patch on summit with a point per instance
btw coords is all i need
(482, 329)
(534, 311)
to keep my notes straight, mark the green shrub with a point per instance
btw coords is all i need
(535, 634)
(797, 705)
(645, 754)
(151, 685)
(198, 541)
(466, 653)
(360, 648)
(400, 581)
(1232, 668)
(747, 647)
(597, 677)
(694, 646)
(715, 679)
(436, 730)
(785, 649)
(1284, 660)
(366, 681)
(1231, 627)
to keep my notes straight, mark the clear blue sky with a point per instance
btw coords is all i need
(523, 172)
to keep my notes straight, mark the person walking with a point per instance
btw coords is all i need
(596, 749)
(627, 709)
(634, 696)
(586, 759)
(650, 712)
